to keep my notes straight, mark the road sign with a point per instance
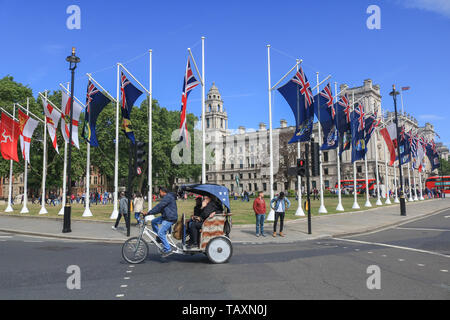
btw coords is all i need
(139, 171)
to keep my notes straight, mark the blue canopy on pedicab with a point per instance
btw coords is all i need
(220, 192)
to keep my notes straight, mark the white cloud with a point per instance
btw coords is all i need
(438, 6)
(430, 117)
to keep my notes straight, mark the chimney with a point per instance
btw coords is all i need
(283, 123)
(368, 83)
(241, 130)
(262, 126)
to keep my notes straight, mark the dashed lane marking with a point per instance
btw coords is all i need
(393, 246)
(120, 295)
(421, 265)
(124, 286)
(423, 229)
(444, 270)
(401, 260)
(126, 278)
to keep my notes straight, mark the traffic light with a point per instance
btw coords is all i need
(301, 167)
(140, 157)
(315, 160)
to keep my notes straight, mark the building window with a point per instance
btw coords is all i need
(325, 171)
(359, 169)
(232, 187)
(249, 175)
(327, 183)
(223, 177)
(231, 176)
(249, 187)
(241, 176)
(265, 186)
(255, 186)
(275, 187)
(207, 123)
(325, 157)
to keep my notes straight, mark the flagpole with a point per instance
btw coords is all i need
(44, 162)
(414, 182)
(203, 114)
(339, 206)
(386, 174)
(420, 187)
(409, 183)
(61, 212)
(355, 191)
(378, 203)
(395, 185)
(367, 204)
(322, 208)
(115, 212)
(25, 182)
(150, 133)
(271, 216)
(299, 212)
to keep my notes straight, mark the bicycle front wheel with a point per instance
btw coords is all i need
(135, 251)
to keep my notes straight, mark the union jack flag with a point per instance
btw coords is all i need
(91, 91)
(373, 122)
(326, 93)
(305, 87)
(343, 101)
(189, 83)
(402, 134)
(360, 112)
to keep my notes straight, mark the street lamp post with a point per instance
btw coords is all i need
(73, 61)
(402, 195)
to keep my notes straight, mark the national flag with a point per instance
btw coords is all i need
(324, 108)
(27, 126)
(189, 83)
(65, 128)
(371, 123)
(298, 95)
(10, 131)
(359, 147)
(129, 96)
(343, 122)
(405, 148)
(389, 133)
(405, 88)
(433, 155)
(96, 101)
(52, 117)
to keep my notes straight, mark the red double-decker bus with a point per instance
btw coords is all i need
(438, 183)
(360, 185)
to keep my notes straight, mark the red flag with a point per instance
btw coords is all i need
(405, 88)
(9, 134)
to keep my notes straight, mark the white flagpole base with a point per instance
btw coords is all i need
(24, 209)
(61, 211)
(421, 198)
(299, 212)
(43, 211)
(396, 200)
(114, 214)
(271, 216)
(9, 208)
(87, 213)
(340, 207)
(388, 201)
(322, 209)
(355, 205)
(415, 198)
(368, 204)
(379, 203)
(410, 200)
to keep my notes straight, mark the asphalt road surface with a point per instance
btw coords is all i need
(413, 261)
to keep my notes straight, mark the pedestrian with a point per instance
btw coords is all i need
(123, 210)
(259, 206)
(279, 204)
(138, 204)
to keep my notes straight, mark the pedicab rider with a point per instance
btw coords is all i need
(169, 215)
(210, 206)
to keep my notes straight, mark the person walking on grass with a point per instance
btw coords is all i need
(259, 206)
(279, 204)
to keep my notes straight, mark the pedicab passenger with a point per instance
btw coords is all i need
(210, 207)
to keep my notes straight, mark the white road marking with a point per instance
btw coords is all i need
(384, 256)
(447, 217)
(129, 271)
(124, 286)
(370, 252)
(32, 241)
(356, 249)
(6, 237)
(120, 295)
(393, 246)
(421, 265)
(423, 229)
(444, 270)
(401, 260)
(126, 278)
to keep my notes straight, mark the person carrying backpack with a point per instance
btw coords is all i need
(279, 204)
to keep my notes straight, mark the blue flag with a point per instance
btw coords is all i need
(298, 95)
(343, 123)
(96, 101)
(371, 123)
(358, 134)
(432, 155)
(129, 96)
(405, 148)
(325, 111)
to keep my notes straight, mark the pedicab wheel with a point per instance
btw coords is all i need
(135, 251)
(219, 250)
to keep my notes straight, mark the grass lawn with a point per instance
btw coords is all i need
(242, 211)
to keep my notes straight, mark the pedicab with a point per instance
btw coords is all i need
(215, 240)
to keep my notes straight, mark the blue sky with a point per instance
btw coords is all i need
(411, 49)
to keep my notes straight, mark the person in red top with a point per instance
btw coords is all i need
(259, 206)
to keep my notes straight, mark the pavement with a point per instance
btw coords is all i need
(326, 226)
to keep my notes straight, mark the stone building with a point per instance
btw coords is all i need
(244, 153)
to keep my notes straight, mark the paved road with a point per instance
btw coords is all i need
(414, 260)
